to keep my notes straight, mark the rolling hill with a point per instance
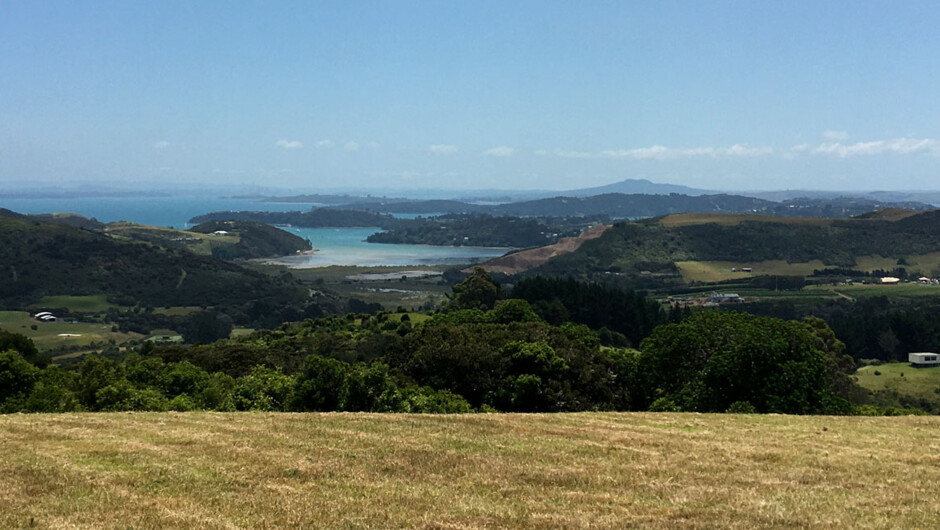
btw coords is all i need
(42, 259)
(657, 245)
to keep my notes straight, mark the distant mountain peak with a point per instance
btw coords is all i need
(638, 186)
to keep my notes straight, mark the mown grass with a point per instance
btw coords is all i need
(596, 470)
(902, 378)
(49, 335)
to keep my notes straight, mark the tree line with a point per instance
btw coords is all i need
(480, 353)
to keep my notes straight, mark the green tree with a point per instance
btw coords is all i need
(95, 373)
(207, 326)
(718, 358)
(322, 385)
(264, 389)
(24, 345)
(54, 392)
(17, 377)
(183, 378)
(477, 291)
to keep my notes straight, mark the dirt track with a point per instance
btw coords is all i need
(529, 259)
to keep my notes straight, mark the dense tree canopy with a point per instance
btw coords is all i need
(716, 359)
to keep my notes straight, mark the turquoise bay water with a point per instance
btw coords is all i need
(336, 246)
(154, 211)
(347, 246)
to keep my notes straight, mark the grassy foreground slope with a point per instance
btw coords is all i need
(609, 470)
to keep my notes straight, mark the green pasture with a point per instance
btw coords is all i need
(94, 303)
(53, 335)
(903, 378)
(901, 290)
(176, 311)
(195, 242)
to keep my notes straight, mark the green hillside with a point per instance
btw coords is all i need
(45, 259)
(919, 383)
(254, 239)
(657, 245)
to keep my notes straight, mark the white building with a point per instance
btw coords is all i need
(924, 359)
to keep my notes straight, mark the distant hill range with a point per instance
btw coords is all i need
(315, 218)
(632, 206)
(903, 240)
(930, 197)
(627, 186)
(638, 186)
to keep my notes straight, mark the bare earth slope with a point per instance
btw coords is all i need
(597, 470)
(529, 259)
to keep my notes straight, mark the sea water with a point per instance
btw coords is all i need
(347, 246)
(335, 246)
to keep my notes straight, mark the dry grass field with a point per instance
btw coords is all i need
(686, 219)
(603, 470)
(715, 271)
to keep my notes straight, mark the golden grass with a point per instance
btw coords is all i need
(687, 219)
(602, 470)
(715, 271)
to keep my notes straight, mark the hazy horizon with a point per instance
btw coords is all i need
(470, 96)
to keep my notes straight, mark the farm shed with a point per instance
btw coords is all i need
(924, 359)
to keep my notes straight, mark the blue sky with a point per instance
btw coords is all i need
(514, 95)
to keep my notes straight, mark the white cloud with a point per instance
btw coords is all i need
(563, 153)
(324, 144)
(500, 151)
(162, 144)
(372, 145)
(442, 149)
(835, 136)
(351, 146)
(747, 150)
(289, 144)
(897, 146)
(541, 152)
(662, 152)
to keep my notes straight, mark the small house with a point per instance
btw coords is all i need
(924, 359)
